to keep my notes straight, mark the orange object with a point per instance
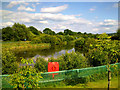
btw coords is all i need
(52, 67)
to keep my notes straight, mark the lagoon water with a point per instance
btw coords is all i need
(45, 53)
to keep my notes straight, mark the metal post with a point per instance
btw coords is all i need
(109, 79)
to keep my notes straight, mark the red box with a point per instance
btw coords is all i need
(53, 66)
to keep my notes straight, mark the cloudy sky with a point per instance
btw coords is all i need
(90, 17)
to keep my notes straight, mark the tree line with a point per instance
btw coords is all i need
(19, 32)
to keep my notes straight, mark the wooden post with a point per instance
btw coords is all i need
(109, 79)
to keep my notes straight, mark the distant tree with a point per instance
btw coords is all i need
(69, 32)
(60, 33)
(79, 33)
(34, 30)
(118, 33)
(48, 31)
(103, 36)
(85, 33)
(7, 34)
(21, 32)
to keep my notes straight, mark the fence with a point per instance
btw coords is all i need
(68, 74)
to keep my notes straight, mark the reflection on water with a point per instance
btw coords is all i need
(46, 53)
(56, 54)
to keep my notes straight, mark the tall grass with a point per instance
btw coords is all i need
(23, 45)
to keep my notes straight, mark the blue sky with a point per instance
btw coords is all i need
(90, 17)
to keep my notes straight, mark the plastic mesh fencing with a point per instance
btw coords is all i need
(68, 74)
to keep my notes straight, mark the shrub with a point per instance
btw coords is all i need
(36, 40)
(70, 61)
(97, 57)
(69, 38)
(79, 42)
(26, 77)
(9, 64)
(41, 65)
(90, 43)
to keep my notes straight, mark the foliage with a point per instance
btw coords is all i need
(21, 32)
(34, 30)
(97, 57)
(48, 31)
(69, 38)
(80, 42)
(9, 64)
(60, 33)
(70, 61)
(69, 32)
(103, 36)
(26, 76)
(41, 65)
(89, 43)
(118, 33)
(7, 34)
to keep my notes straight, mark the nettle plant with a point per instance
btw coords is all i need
(26, 76)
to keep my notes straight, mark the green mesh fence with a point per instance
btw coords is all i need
(66, 74)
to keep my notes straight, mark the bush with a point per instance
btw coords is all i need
(70, 61)
(26, 77)
(80, 42)
(90, 43)
(97, 57)
(9, 64)
(41, 65)
(36, 40)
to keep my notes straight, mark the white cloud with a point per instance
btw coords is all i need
(92, 9)
(54, 9)
(6, 24)
(25, 9)
(108, 22)
(95, 29)
(44, 22)
(14, 3)
(59, 22)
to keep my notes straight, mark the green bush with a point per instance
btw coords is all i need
(97, 57)
(80, 42)
(71, 60)
(36, 40)
(9, 64)
(41, 65)
(26, 76)
(69, 38)
(90, 43)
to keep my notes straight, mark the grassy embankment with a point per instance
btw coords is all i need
(95, 84)
(23, 45)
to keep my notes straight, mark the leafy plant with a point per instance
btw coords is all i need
(9, 64)
(70, 61)
(26, 76)
(41, 65)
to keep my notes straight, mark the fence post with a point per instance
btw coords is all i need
(109, 79)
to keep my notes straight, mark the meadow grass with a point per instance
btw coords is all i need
(23, 45)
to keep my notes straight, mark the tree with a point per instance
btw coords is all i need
(7, 34)
(48, 31)
(60, 33)
(103, 36)
(118, 33)
(21, 32)
(34, 30)
(9, 62)
(69, 32)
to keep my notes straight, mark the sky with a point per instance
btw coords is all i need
(90, 17)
